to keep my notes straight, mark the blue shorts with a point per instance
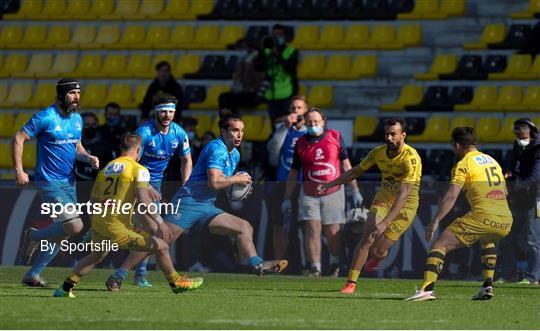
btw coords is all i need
(192, 212)
(59, 192)
(156, 184)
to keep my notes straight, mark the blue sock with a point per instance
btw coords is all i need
(121, 273)
(255, 261)
(140, 269)
(42, 260)
(54, 230)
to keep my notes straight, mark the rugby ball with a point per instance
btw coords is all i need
(237, 192)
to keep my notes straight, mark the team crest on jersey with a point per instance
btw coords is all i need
(483, 160)
(319, 154)
(152, 144)
(57, 127)
(78, 126)
(114, 169)
(174, 143)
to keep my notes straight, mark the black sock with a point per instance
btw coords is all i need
(68, 284)
(430, 287)
(488, 282)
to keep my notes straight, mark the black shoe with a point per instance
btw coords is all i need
(113, 284)
(270, 267)
(314, 272)
(334, 270)
(34, 281)
(28, 246)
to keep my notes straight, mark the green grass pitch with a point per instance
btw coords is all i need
(231, 301)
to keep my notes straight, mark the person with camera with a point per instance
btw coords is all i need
(279, 61)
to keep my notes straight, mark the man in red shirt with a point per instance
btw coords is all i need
(320, 154)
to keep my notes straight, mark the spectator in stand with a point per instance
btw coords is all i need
(246, 81)
(112, 131)
(93, 142)
(164, 83)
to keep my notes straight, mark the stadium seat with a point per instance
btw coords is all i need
(356, 36)
(266, 130)
(107, 36)
(132, 37)
(156, 35)
(305, 35)
(508, 96)
(381, 37)
(34, 37)
(137, 67)
(101, 8)
(338, 67)
(438, 129)
(204, 123)
(321, 96)
(529, 103)
(6, 123)
(212, 67)
(29, 156)
(175, 9)
(423, 9)
(52, 9)
(252, 126)
(230, 34)
(89, 64)
(5, 153)
(58, 35)
(484, 96)
(506, 133)
(27, 8)
(120, 93)
(495, 64)
(407, 36)
(364, 127)
(187, 64)
(76, 10)
(533, 8)
(20, 120)
(170, 58)
(19, 93)
(147, 8)
(83, 37)
(311, 66)
(409, 95)
(44, 95)
(138, 97)
(194, 94)
(63, 65)
(519, 64)
(493, 33)
(197, 8)
(450, 8)
(435, 99)
(11, 36)
(331, 38)
(181, 37)
(14, 64)
(3, 92)
(206, 37)
(39, 64)
(114, 66)
(443, 64)
(487, 129)
(469, 67)
(94, 96)
(532, 74)
(517, 37)
(124, 9)
(460, 121)
(362, 66)
(212, 95)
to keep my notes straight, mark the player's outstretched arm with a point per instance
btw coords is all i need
(445, 206)
(82, 155)
(217, 181)
(17, 146)
(186, 166)
(346, 177)
(163, 230)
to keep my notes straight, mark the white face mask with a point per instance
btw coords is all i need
(523, 142)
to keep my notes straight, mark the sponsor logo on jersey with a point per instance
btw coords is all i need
(483, 160)
(114, 169)
(496, 195)
(174, 143)
(78, 126)
(328, 170)
(319, 154)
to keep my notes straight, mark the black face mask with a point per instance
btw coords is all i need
(89, 132)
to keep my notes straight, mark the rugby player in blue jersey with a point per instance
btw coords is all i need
(57, 130)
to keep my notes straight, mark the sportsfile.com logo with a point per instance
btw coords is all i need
(110, 207)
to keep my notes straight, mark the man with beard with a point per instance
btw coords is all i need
(93, 142)
(57, 130)
(394, 207)
(160, 139)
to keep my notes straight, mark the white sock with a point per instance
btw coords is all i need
(316, 265)
(334, 259)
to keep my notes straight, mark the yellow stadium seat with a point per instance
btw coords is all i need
(132, 37)
(149, 8)
(181, 36)
(409, 95)
(29, 156)
(252, 126)
(483, 96)
(94, 96)
(64, 64)
(27, 8)
(331, 37)
(1, 62)
(101, 8)
(204, 123)
(452, 8)
(3, 92)
(461, 121)
(19, 93)
(364, 126)
(34, 37)
(529, 102)
(6, 124)
(120, 93)
(487, 129)
(20, 120)
(215, 126)
(187, 64)
(76, 10)
(124, 10)
(6, 161)
(305, 35)
(43, 96)
(507, 130)
(338, 67)
(107, 36)
(363, 66)
(212, 95)
(58, 34)
(303, 90)
(443, 64)
(508, 96)
(230, 35)
(88, 64)
(138, 66)
(493, 33)
(407, 36)
(357, 36)
(199, 7)
(321, 96)
(534, 7)
(11, 36)
(206, 37)
(265, 131)
(170, 58)
(14, 64)
(311, 66)
(138, 97)
(437, 130)
(83, 37)
(113, 67)
(155, 35)
(536, 121)
(175, 9)
(382, 36)
(518, 64)
(422, 9)
(52, 9)
(533, 73)
(39, 64)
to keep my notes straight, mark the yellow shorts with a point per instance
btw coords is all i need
(398, 225)
(125, 237)
(475, 226)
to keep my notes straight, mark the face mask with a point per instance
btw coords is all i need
(191, 135)
(90, 132)
(314, 130)
(280, 41)
(523, 142)
(113, 121)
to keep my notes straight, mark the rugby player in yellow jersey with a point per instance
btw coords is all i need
(124, 181)
(394, 207)
(489, 219)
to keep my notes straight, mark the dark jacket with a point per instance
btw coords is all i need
(525, 167)
(171, 87)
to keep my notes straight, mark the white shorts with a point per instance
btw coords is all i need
(330, 209)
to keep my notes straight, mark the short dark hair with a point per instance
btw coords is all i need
(224, 116)
(161, 64)
(397, 120)
(465, 136)
(113, 105)
(315, 110)
(162, 98)
(89, 114)
(129, 141)
(301, 98)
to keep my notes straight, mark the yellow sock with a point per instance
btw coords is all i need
(434, 266)
(173, 277)
(74, 278)
(488, 256)
(353, 275)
